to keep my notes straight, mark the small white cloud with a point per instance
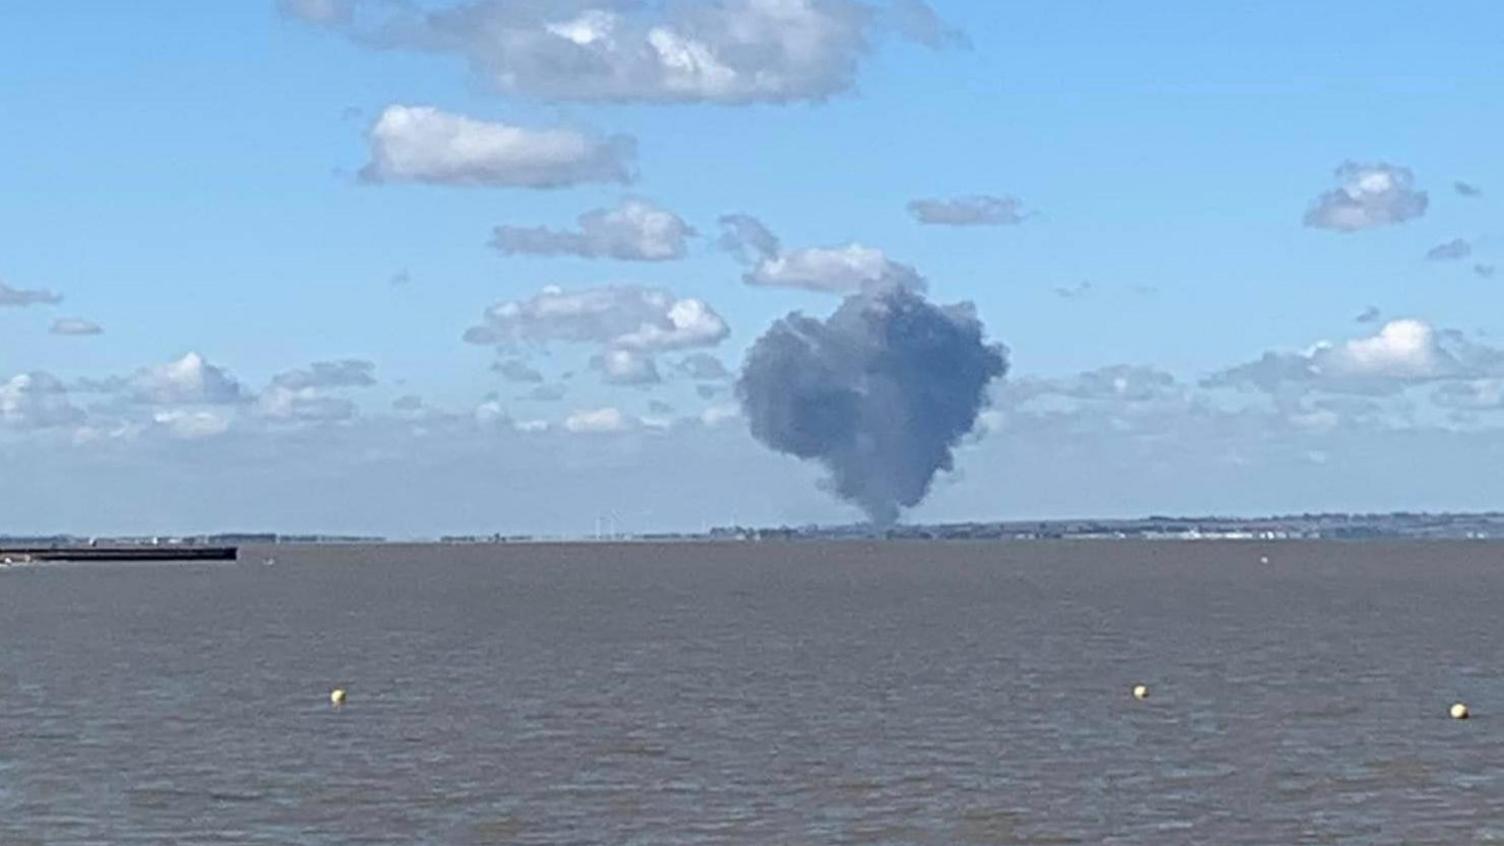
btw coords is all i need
(719, 414)
(703, 367)
(346, 373)
(303, 405)
(19, 297)
(975, 210)
(423, 144)
(192, 424)
(626, 367)
(1370, 195)
(1078, 291)
(1472, 394)
(1121, 383)
(615, 317)
(633, 231)
(491, 412)
(326, 12)
(1404, 349)
(748, 238)
(545, 393)
(847, 269)
(841, 270)
(688, 323)
(918, 22)
(36, 401)
(75, 326)
(517, 370)
(599, 420)
(1453, 250)
(189, 380)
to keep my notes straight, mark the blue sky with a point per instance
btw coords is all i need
(186, 176)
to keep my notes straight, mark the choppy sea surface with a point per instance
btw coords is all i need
(907, 693)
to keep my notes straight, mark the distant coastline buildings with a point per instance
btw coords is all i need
(1337, 526)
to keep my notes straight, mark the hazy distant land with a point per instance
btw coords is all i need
(1329, 526)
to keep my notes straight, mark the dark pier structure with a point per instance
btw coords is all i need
(117, 552)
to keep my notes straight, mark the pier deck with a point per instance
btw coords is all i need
(143, 552)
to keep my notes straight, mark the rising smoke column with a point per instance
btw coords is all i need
(879, 393)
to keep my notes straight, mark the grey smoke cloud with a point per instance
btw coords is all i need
(880, 393)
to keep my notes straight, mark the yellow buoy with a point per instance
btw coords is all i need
(1460, 712)
(337, 697)
(1140, 691)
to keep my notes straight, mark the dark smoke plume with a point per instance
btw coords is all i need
(879, 393)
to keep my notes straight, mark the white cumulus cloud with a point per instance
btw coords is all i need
(192, 424)
(840, 270)
(635, 230)
(423, 144)
(185, 381)
(626, 367)
(723, 51)
(36, 401)
(625, 317)
(345, 373)
(598, 420)
(1368, 196)
(303, 405)
(1402, 353)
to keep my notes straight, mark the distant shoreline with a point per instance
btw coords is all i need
(1330, 526)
